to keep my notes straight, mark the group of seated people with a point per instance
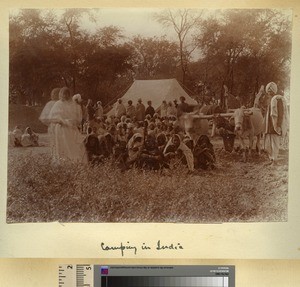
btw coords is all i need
(26, 139)
(154, 143)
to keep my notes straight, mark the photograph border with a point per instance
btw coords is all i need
(228, 240)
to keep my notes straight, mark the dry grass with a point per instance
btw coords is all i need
(234, 191)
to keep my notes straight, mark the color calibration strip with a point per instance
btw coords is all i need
(144, 281)
(85, 275)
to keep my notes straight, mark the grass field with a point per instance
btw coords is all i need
(39, 191)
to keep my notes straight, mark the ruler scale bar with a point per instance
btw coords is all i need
(77, 275)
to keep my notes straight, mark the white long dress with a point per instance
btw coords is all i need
(66, 116)
(44, 118)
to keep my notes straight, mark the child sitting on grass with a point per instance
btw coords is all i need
(17, 136)
(29, 138)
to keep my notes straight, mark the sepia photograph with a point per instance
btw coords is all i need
(148, 115)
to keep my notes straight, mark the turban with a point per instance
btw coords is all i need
(77, 98)
(130, 125)
(271, 86)
(119, 126)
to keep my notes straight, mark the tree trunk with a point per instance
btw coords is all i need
(222, 102)
(73, 56)
(231, 79)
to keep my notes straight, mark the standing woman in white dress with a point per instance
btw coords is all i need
(66, 116)
(44, 117)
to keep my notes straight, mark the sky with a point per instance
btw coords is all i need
(140, 20)
(136, 21)
(133, 20)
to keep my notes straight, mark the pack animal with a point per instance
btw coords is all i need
(193, 125)
(248, 124)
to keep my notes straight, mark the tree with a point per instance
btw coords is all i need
(47, 50)
(245, 49)
(154, 58)
(106, 66)
(108, 36)
(104, 69)
(183, 22)
(32, 38)
(70, 27)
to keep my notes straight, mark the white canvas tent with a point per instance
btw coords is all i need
(155, 91)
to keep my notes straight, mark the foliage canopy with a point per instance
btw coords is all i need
(242, 49)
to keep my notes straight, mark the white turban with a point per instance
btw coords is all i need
(119, 125)
(271, 86)
(77, 98)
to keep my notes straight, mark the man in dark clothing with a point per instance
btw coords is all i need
(93, 149)
(182, 107)
(150, 110)
(140, 111)
(90, 110)
(151, 157)
(208, 96)
(175, 103)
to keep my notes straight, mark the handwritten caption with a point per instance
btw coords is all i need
(134, 249)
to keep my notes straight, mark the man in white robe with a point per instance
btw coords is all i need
(99, 110)
(276, 122)
(120, 109)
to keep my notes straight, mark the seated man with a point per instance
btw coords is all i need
(204, 154)
(161, 141)
(93, 150)
(107, 143)
(151, 157)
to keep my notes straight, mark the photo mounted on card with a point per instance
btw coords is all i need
(149, 115)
